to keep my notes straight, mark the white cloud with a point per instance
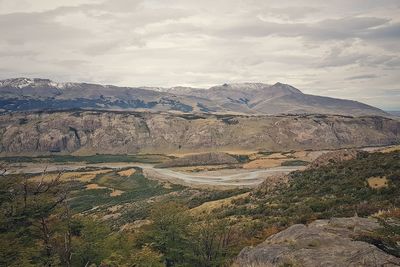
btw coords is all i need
(347, 49)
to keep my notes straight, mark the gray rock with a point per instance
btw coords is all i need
(321, 243)
(92, 132)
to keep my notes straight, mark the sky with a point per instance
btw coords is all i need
(340, 48)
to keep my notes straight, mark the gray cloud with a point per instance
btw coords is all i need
(340, 48)
(353, 27)
(290, 13)
(389, 31)
(362, 77)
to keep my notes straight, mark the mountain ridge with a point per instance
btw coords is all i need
(24, 94)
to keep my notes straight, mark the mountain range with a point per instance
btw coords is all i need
(26, 94)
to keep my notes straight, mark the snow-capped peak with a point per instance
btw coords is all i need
(17, 82)
(30, 82)
(242, 86)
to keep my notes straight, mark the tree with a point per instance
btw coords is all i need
(30, 213)
(147, 257)
(169, 232)
(93, 244)
(212, 241)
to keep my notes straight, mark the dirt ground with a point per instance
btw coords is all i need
(377, 182)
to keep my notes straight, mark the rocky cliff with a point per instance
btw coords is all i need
(321, 243)
(88, 132)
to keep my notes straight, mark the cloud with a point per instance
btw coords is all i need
(390, 31)
(362, 77)
(341, 48)
(354, 27)
(292, 13)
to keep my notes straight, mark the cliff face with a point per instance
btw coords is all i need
(128, 132)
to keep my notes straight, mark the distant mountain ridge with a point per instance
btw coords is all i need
(25, 94)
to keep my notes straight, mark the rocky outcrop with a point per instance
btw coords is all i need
(321, 243)
(271, 184)
(336, 157)
(89, 132)
(211, 158)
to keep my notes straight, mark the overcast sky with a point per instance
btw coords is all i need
(340, 48)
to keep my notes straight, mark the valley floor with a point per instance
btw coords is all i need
(218, 178)
(246, 200)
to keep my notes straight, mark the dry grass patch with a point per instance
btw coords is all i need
(202, 168)
(276, 156)
(377, 182)
(116, 192)
(211, 205)
(94, 186)
(80, 176)
(115, 208)
(391, 149)
(127, 173)
(112, 216)
(263, 163)
(135, 225)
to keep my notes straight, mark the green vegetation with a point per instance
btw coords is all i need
(387, 237)
(41, 224)
(212, 195)
(183, 241)
(98, 158)
(242, 158)
(295, 162)
(132, 182)
(339, 190)
(61, 223)
(265, 153)
(135, 188)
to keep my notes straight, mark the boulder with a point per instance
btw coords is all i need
(321, 243)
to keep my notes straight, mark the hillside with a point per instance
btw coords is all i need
(319, 197)
(24, 94)
(122, 218)
(90, 132)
